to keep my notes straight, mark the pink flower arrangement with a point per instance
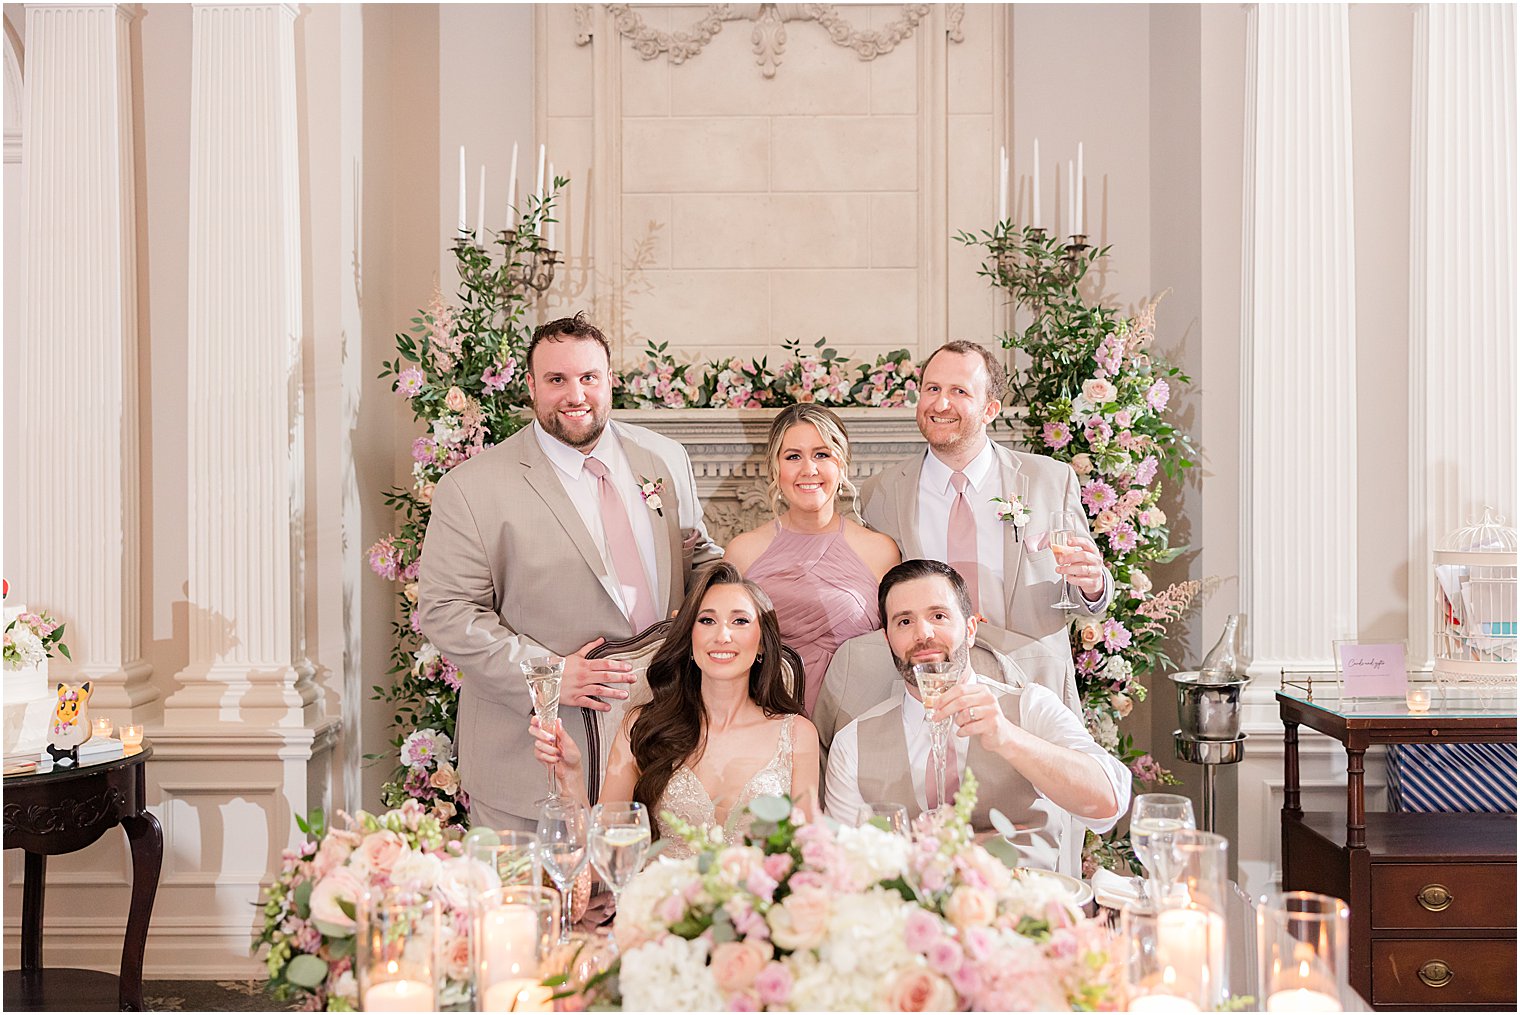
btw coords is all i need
(808, 917)
(310, 908)
(1057, 435)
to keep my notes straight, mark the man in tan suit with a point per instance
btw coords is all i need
(940, 505)
(552, 542)
(1034, 761)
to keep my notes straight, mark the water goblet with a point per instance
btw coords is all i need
(562, 831)
(1154, 821)
(620, 839)
(933, 680)
(1065, 526)
(544, 674)
(889, 817)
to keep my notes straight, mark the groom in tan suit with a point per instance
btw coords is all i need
(552, 542)
(939, 505)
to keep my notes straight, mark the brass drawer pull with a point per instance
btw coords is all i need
(1435, 973)
(1436, 898)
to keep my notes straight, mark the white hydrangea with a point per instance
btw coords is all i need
(1117, 669)
(26, 645)
(661, 879)
(874, 854)
(866, 941)
(670, 975)
(1104, 730)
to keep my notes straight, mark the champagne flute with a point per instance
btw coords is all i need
(934, 679)
(619, 840)
(1154, 821)
(1064, 526)
(889, 817)
(544, 674)
(562, 828)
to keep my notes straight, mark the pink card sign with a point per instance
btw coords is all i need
(1373, 671)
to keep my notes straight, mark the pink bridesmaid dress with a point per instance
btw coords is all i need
(824, 595)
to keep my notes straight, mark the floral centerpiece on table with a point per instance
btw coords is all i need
(1098, 396)
(810, 917)
(309, 910)
(31, 638)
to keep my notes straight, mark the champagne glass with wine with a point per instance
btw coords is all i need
(1065, 526)
(1154, 821)
(563, 826)
(544, 674)
(933, 680)
(620, 839)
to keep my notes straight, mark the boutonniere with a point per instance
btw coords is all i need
(1014, 512)
(650, 490)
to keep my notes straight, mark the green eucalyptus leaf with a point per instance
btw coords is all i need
(1002, 824)
(774, 809)
(1003, 850)
(300, 898)
(306, 971)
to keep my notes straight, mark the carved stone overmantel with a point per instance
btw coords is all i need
(768, 34)
(727, 449)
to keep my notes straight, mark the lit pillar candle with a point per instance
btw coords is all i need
(512, 191)
(1302, 1000)
(399, 995)
(1191, 941)
(1036, 195)
(461, 190)
(509, 940)
(1002, 184)
(480, 208)
(517, 995)
(1161, 1004)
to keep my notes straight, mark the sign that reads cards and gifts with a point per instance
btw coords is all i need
(1373, 671)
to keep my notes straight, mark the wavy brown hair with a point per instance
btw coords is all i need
(672, 728)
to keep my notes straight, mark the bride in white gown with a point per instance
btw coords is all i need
(722, 727)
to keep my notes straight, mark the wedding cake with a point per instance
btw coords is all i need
(28, 702)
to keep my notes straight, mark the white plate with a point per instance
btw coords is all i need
(1081, 893)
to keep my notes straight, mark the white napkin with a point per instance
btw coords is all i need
(1113, 891)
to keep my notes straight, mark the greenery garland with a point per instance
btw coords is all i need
(1097, 397)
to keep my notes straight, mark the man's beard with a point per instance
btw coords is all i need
(555, 427)
(960, 655)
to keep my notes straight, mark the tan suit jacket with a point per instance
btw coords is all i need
(889, 503)
(510, 571)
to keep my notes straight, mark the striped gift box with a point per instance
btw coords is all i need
(1446, 778)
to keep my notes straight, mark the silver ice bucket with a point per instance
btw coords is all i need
(1208, 711)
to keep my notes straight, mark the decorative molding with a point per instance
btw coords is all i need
(78, 347)
(247, 645)
(1299, 509)
(1462, 312)
(69, 813)
(769, 32)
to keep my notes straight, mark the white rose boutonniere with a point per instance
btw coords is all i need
(650, 490)
(1014, 512)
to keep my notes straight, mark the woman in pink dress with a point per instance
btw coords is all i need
(819, 567)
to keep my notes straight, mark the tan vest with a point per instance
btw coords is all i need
(884, 777)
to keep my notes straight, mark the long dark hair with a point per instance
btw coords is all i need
(672, 727)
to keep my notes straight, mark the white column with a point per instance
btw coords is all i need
(1298, 427)
(1462, 290)
(244, 431)
(72, 520)
(1299, 322)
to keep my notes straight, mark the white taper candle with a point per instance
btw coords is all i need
(461, 190)
(480, 208)
(1081, 199)
(512, 190)
(1037, 183)
(1002, 184)
(549, 239)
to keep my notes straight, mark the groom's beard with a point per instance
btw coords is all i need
(960, 655)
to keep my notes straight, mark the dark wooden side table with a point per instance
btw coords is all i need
(1432, 896)
(60, 812)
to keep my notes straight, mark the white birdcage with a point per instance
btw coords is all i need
(1476, 616)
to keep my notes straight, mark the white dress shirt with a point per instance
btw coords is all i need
(1040, 713)
(935, 496)
(583, 489)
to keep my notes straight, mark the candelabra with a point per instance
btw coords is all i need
(1011, 255)
(530, 263)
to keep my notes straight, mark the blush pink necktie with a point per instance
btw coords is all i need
(952, 776)
(961, 538)
(624, 549)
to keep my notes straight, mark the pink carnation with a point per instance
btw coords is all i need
(1098, 431)
(1158, 394)
(384, 560)
(1145, 471)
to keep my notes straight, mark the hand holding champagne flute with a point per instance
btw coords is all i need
(1064, 528)
(933, 680)
(544, 674)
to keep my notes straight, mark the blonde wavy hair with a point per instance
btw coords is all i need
(830, 430)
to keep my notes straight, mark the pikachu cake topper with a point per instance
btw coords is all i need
(71, 724)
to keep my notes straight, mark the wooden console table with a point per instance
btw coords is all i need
(1432, 896)
(60, 812)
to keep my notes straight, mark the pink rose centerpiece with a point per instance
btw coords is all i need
(808, 916)
(310, 910)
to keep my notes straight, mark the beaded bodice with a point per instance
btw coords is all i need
(687, 798)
